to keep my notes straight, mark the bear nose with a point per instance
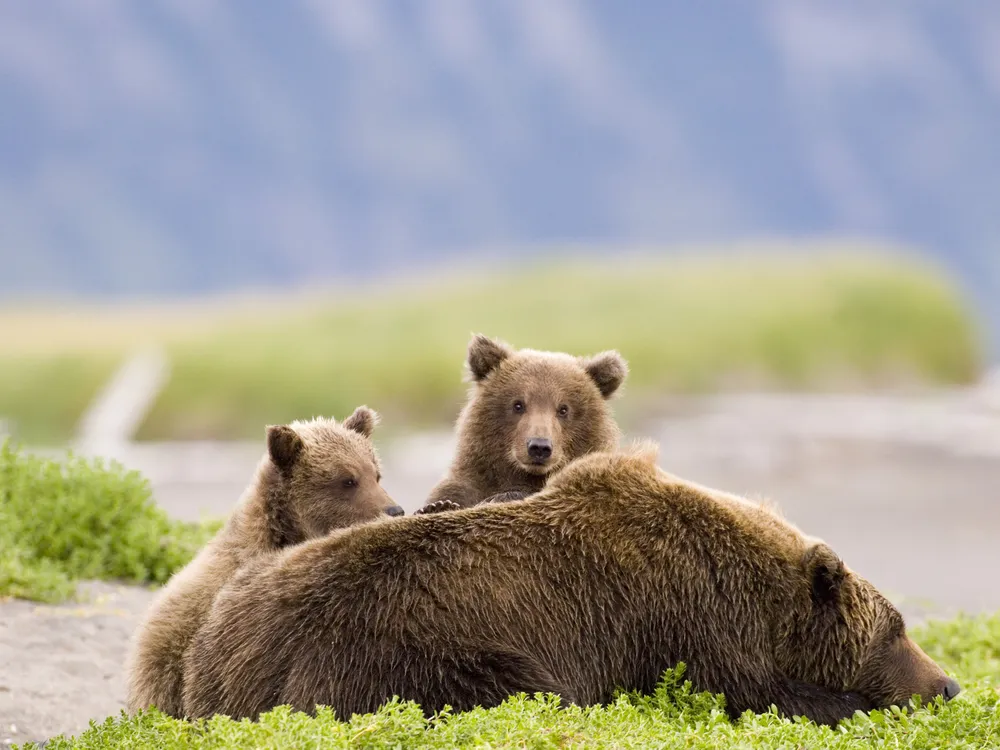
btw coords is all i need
(395, 510)
(539, 450)
(951, 689)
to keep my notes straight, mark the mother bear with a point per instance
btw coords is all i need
(613, 573)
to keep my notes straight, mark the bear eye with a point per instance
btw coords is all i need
(563, 410)
(350, 483)
(519, 407)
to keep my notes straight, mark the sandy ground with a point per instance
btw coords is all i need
(62, 665)
(918, 517)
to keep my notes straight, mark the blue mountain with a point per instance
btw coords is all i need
(186, 146)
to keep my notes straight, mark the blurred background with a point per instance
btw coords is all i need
(215, 216)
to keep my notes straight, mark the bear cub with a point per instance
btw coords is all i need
(528, 414)
(316, 476)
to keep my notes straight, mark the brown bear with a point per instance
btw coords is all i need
(316, 476)
(613, 573)
(528, 414)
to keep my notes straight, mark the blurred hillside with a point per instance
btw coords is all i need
(855, 319)
(190, 146)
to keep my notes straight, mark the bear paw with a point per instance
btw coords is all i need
(438, 506)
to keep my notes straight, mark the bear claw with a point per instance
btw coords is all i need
(438, 506)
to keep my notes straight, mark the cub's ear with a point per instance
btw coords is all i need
(485, 355)
(608, 370)
(362, 421)
(825, 572)
(283, 446)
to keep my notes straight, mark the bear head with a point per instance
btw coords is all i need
(327, 476)
(539, 410)
(847, 637)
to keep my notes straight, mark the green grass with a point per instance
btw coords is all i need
(79, 519)
(685, 325)
(673, 717)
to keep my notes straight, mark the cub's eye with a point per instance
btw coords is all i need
(563, 410)
(350, 483)
(519, 407)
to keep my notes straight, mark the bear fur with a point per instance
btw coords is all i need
(528, 414)
(612, 574)
(301, 490)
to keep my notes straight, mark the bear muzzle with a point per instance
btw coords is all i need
(950, 689)
(539, 451)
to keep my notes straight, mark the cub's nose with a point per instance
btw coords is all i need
(539, 450)
(951, 689)
(394, 511)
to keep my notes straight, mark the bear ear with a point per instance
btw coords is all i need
(825, 572)
(608, 370)
(362, 421)
(283, 446)
(485, 355)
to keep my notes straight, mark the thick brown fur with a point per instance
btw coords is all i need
(300, 491)
(613, 573)
(518, 396)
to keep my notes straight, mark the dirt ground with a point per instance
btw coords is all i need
(920, 522)
(62, 665)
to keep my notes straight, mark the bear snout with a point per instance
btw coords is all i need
(394, 510)
(539, 450)
(950, 689)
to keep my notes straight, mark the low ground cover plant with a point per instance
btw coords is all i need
(63, 521)
(673, 717)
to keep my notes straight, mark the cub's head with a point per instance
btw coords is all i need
(327, 477)
(540, 410)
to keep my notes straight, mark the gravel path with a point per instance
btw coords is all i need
(906, 492)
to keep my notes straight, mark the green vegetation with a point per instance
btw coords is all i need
(673, 717)
(61, 522)
(685, 325)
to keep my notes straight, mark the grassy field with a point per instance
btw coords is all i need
(61, 522)
(685, 325)
(673, 717)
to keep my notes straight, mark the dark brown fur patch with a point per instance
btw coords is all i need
(283, 446)
(485, 355)
(608, 370)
